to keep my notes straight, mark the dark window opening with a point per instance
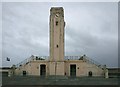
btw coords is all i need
(57, 46)
(90, 73)
(56, 23)
(24, 73)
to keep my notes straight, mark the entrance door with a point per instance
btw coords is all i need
(72, 70)
(42, 70)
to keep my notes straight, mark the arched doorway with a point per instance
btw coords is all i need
(43, 70)
(90, 73)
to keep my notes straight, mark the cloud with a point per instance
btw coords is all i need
(91, 28)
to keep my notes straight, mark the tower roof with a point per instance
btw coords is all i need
(56, 8)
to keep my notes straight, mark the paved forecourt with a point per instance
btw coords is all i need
(32, 80)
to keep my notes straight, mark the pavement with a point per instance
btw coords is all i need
(36, 80)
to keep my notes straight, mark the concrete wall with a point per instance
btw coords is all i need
(82, 68)
(60, 68)
(32, 68)
(56, 68)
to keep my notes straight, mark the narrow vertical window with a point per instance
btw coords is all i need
(56, 23)
(57, 46)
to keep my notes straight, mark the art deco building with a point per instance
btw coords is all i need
(57, 63)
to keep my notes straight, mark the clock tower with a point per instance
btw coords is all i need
(57, 25)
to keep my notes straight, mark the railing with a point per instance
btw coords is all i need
(85, 58)
(41, 58)
(72, 57)
(36, 58)
(24, 62)
(89, 60)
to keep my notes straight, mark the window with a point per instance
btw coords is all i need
(57, 46)
(56, 23)
(24, 73)
(90, 73)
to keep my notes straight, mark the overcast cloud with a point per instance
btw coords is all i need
(91, 29)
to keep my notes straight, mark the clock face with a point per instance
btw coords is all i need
(57, 15)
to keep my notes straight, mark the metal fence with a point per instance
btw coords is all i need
(72, 57)
(40, 58)
(32, 58)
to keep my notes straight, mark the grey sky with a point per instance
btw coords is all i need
(91, 29)
(1, 34)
